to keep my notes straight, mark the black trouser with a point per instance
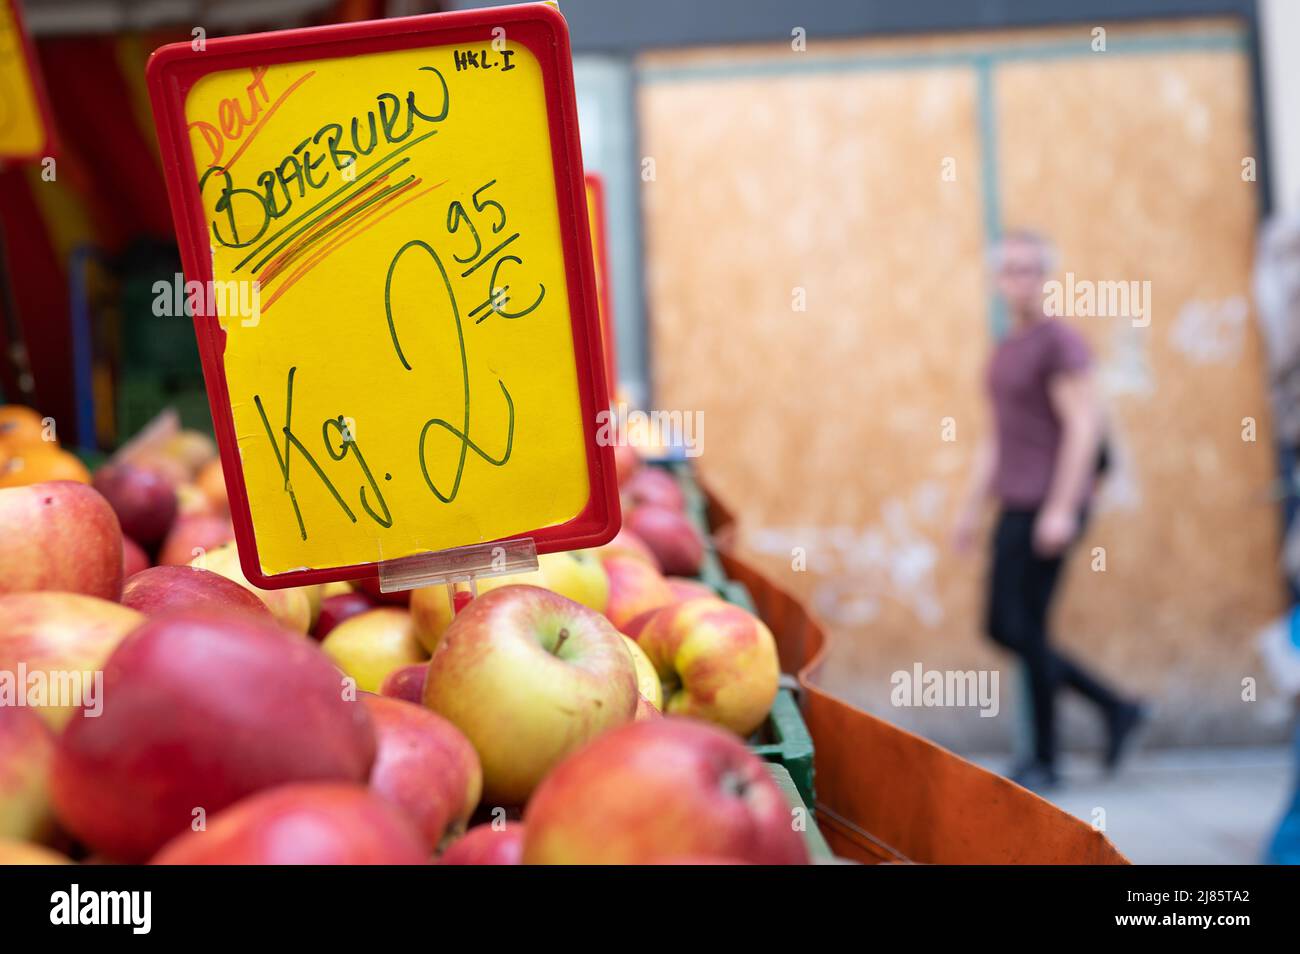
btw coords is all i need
(1021, 584)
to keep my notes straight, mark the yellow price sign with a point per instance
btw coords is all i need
(24, 115)
(384, 230)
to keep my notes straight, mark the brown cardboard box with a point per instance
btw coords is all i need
(886, 795)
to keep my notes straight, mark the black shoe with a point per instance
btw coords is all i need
(1038, 777)
(1121, 725)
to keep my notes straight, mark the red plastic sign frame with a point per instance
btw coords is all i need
(174, 70)
(596, 183)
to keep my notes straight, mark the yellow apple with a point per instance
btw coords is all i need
(192, 501)
(25, 853)
(647, 680)
(26, 751)
(192, 449)
(315, 596)
(578, 575)
(529, 676)
(372, 644)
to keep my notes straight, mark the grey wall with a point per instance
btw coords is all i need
(628, 25)
(607, 119)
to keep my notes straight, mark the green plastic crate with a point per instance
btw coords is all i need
(696, 505)
(818, 850)
(711, 573)
(784, 740)
(733, 591)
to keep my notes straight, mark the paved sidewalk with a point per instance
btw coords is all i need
(1180, 806)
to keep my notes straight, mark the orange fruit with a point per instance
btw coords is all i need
(40, 462)
(20, 427)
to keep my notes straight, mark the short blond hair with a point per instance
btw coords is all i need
(1047, 254)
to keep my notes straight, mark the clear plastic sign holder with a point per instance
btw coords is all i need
(459, 568)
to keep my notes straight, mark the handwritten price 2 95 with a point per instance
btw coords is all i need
(487, 218)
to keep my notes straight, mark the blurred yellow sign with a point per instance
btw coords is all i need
(23, 132)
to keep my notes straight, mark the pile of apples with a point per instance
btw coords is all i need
(592, 711)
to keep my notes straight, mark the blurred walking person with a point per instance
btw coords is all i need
(1039, 466)
(1277, 301)
(1277, 307)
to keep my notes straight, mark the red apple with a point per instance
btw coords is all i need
(716, 661)
(315, 823)
(691, 860)
(654, 486)
(634, 588)
(687, 589)
(192, 536)
(167, 469)
(162, 589)
(200, 710)
(487, 844)
(627, 544)
(637, 623)
(370, 586)
(529, 676)
(626, 462)
(645, 709)
(290, 606)
(59, 535)
(656, 790)
(335, 609)
(671, 536)
(143, 499)
(26, 751)
(424, 766)
(65, 635)
(683, 589)
(134, 559)
(406, 683)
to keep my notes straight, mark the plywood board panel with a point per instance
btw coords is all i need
(824, 424)
(860, 185)
(1134, 166)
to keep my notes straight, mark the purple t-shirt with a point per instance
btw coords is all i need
(1028, 431)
